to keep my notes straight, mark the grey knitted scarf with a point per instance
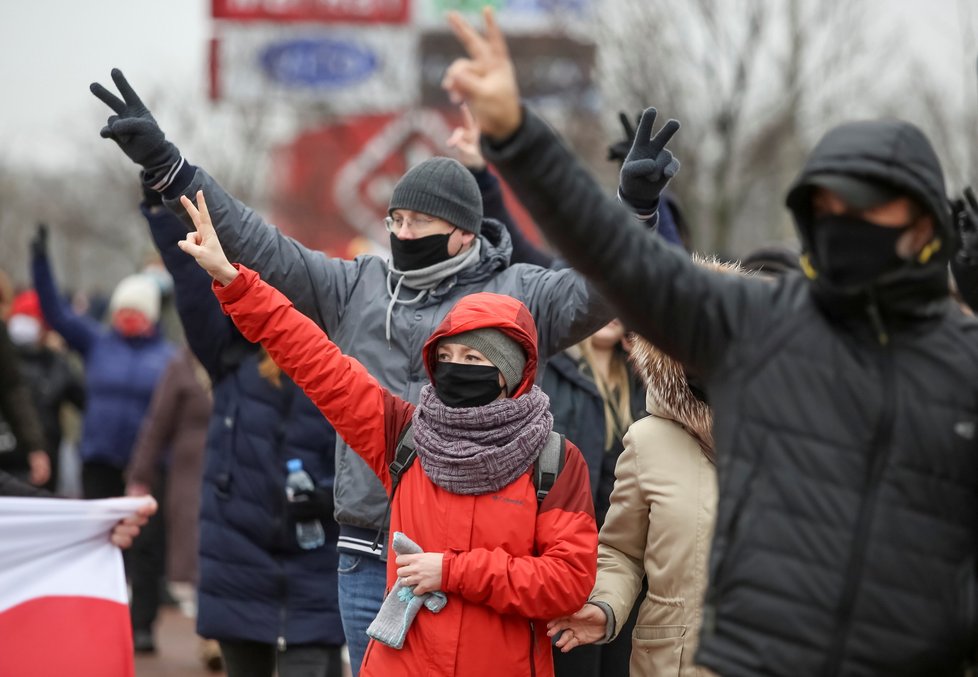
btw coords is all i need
(425, 279)
(478, 450)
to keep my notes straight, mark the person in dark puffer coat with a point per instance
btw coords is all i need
(845, 403)
(270, 604)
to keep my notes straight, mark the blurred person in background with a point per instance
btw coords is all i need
(21, 428)
(270, 604)
(52, 378)
(123, 364)
(167, 462)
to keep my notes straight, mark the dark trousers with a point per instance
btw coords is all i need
(147, 565)
(255, 659)
(100, 480)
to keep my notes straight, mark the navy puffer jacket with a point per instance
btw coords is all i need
(255, 582)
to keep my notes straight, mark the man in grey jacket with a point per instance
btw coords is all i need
(379, 312)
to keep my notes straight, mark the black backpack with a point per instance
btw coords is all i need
(545, 469)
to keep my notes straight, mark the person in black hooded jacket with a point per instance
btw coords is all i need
(845, 400)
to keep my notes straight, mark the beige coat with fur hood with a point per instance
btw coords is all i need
(661, 522)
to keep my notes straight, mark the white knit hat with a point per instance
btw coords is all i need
(137, 292)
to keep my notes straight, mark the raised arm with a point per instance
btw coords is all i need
(691, 313)
(465, 139)
(211, 334)
(79, 332)
(557, 580)
(318, 285)
(364, 413)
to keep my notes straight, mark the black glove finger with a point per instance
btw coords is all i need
(645, 124)
(108, 98)
(626, 124)
(970, 199)
(106, 133)
(662, 138)
(128, 93)
(42, 233)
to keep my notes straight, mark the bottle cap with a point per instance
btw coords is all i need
(294, 465)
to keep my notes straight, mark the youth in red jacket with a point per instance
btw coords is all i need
(507, 567)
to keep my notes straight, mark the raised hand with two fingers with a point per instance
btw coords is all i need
(203, 244)
(134, 128)
(649, 166)
(465, 141)
(486, 81)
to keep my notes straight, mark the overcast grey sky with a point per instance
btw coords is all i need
(53, 49)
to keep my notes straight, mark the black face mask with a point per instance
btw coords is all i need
(853, 252)
(420, 252)
(466, 385)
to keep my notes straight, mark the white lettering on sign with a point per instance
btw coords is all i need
(352, 7)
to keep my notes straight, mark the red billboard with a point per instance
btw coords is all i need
(348, 11)
(332, 185)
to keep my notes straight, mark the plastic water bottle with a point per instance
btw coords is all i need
(308, 533)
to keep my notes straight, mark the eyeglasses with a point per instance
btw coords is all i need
(420, 225)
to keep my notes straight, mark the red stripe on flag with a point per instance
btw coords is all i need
(60, 636)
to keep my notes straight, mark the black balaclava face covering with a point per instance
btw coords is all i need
(466, 385)
(853, 252)
(420, 252)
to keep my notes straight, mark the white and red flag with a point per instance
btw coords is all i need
(63, 603)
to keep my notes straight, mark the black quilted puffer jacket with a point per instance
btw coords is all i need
(845, 424)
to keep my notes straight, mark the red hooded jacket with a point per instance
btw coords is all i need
(508, 567)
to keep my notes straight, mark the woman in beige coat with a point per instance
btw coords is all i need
(660, 525)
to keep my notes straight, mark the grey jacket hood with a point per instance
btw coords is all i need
(893, 152)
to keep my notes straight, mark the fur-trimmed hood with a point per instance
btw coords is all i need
(667, 391)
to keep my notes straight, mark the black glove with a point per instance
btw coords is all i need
(134, 128)
(39, 243)
(649, 165)
(309, 505)
(618, 151)
(966, 224)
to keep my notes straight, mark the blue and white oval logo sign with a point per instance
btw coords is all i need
(318, 63)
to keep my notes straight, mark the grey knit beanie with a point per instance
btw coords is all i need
(505, 354)
(441, 187)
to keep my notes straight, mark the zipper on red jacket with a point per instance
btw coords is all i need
(880, 452)
(533, 650)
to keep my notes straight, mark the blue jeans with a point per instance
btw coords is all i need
(362, 581)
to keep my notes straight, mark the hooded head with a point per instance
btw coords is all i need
(866, 165)
(499, 327)
(135, 298)
(440, 187)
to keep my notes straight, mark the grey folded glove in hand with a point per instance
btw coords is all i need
(401, 605)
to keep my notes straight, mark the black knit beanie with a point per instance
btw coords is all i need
(441, 187)
(505, 354)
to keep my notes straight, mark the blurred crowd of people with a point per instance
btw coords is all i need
(610, 457)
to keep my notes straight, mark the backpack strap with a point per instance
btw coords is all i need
(548, 465)
(404, 455)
